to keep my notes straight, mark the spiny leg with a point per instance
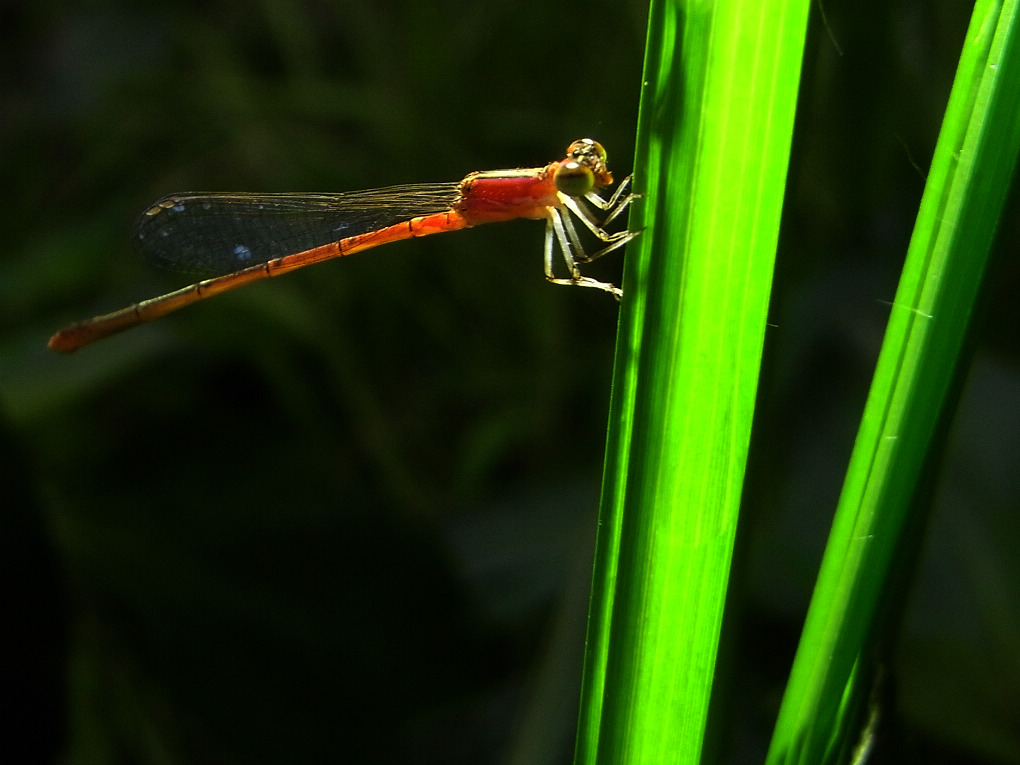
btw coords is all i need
(612, 241)
(557, 233)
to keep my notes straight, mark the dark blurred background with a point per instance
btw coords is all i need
(348, 515)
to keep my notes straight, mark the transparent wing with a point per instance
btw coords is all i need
(219, 233)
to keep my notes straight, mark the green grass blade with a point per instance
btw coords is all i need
(912, 394)
(714, 137)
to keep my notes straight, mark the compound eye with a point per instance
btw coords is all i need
(586, 147)
(574, 179)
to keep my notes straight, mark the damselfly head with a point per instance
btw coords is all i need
(583, 169)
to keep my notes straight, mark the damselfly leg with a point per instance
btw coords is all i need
(560, 230)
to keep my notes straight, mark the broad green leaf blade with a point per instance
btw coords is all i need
(715, 129)
(877, 520)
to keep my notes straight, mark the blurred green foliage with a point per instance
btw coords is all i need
(348, 514)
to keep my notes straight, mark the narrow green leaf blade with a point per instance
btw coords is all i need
(715, 129)
(911, 395)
